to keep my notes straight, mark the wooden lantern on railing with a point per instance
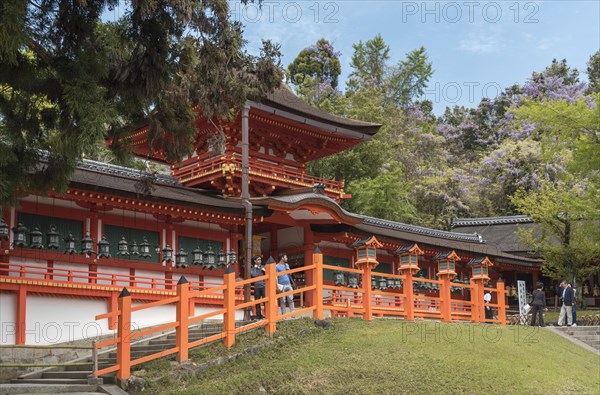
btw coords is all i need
(409, 258)
(446, 264)
(365, 252)
(480, 267)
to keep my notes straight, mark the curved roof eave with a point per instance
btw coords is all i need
(300, 200)
(284, 99)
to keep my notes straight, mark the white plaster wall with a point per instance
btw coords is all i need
(152, 316)
(109, 270)
(159, 276)
(289, 237)
(8, 315)
(43, 265)
(52, 320)
(239, 314)
(77, 277)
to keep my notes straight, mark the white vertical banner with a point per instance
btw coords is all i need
(522, 302)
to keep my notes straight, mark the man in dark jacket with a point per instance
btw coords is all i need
(538, 304)
(258, 270)
(567, 304)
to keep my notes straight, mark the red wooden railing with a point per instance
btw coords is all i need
(196, 169)
(53, 275)
(363, 301)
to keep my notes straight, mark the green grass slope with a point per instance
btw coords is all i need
(389, 357)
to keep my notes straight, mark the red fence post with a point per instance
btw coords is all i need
(477, 301)
(501, 296)
(446, 299)
(229, 304)
(271, 296)
(183, 305)
(409, 299)
(367, 293)
(318, 281)
(124, 336)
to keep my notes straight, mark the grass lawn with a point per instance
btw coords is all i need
(551, 317)
(389, 357)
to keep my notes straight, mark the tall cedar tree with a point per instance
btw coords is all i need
(69, 81)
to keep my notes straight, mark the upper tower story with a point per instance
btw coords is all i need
(285, 133)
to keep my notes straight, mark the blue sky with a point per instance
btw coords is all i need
(476, 47)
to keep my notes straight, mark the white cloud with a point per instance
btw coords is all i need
(479, 43)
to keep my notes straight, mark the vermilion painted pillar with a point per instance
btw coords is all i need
(409, 304)
(183, 305)
(271, 296)
(21, 314)
(229, 304)
(317, 280)
(501, 302)
(367, 292)
(446, 299)
(124, 334)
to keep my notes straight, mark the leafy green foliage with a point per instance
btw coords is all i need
(593, 72)
(69, 81)
(319, 61)
(569, 241)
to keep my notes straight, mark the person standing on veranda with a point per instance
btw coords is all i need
(285, 282)
(258, 270)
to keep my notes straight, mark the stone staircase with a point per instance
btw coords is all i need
(74, 379)
(589, 335)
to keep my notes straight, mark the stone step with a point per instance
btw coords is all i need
(586, 337)
(101, 365)
(13, 389)
(49, 381)
(67, 374)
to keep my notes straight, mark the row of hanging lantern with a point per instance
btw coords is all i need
(383, 283)
(206, 259)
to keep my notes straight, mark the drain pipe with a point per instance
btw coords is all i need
(246, 203)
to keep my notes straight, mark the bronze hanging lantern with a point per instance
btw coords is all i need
(232, 256)
(197, 257)
(87, 245)
(145, 248)
(123, 249)
(36, 238)
(3, 229)
(181, 258)
(209, 258)
(222, 258)
(19, 233)
(52, 239)
(135, 250)
(103, 248)
(70, 244)
(167, 255)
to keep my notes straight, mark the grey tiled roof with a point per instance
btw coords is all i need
(404, 249)
(442, 255)
(383, 223)
(122, 171)
(512, 219)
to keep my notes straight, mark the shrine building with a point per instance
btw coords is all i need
(64, 258)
